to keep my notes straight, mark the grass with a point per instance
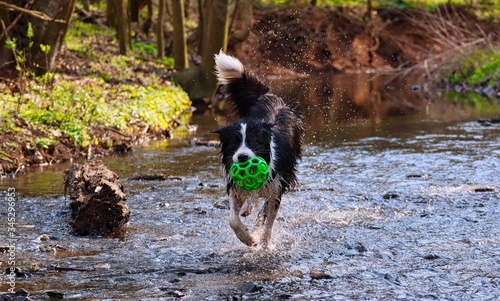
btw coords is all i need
(99, 89)
(72, 108)
(478, 70)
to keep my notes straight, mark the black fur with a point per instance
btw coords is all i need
(268, 120)
(264, 115)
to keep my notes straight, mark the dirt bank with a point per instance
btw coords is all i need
(314, 40)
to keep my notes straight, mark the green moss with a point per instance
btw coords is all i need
(480, 68)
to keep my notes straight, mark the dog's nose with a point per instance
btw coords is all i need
(243, 157)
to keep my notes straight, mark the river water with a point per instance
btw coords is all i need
(398, 200)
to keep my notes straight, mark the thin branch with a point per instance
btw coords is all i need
(33, 13)
(443, 54)
(8, 29)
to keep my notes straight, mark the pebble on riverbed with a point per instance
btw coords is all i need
(248, 287)
(390, 195)
(20, 295)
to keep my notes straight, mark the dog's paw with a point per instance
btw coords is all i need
(251, 244)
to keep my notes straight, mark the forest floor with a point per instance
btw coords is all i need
(282, 43)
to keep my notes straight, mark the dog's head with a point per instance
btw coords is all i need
(243, 140)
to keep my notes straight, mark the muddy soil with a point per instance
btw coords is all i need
(288, 42)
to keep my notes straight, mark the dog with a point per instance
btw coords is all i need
(263, 126)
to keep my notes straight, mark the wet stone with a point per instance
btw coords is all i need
(284, 297)
(320, 276)
(20, 295)
(373, 227)
(488, 121)
(359, 247)
(417, 176)
(4, 248)
(44, 237)
(390, 195)
(55, 295)
(18, 272)
(22, 292)
(391, 278)
(483, 189)
(174, 292)
(248, 287)
(47, 249)
(431, 257)
(222, 205)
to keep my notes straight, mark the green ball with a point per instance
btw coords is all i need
(250, 174)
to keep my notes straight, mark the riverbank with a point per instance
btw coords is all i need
(96, 103)
(99, 103)
(439, 42)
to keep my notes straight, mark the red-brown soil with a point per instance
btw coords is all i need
(313, 40)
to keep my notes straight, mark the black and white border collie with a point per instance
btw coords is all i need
(264, 126)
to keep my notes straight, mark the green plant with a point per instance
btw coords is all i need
(481, 68)
(144, 48)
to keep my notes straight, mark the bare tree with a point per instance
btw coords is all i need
(35, 29)
(122, 25)
(200, 83)
(242, 21)
(180, 46)
(215, 37)
(160, 34)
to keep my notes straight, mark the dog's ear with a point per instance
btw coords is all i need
(268, 125)
(223, 129)
(219, 130)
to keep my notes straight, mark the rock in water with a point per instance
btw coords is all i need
(96, 198)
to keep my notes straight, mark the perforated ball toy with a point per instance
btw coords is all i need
(250, 174)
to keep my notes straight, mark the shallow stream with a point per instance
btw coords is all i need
(398, 200)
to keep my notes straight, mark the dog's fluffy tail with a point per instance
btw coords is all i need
(241, 87)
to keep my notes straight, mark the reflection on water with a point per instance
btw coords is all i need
(346, 98)
(347, 106)
(389, 207)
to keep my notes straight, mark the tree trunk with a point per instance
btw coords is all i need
(201, 83)
(6, 55)
(215, 39)
(149, 22)
(135, 6)
(97, 199)
(180, 47)
(111, 13)
(123, 25)
(49, 22)
(245, 17)
(49, 33)
(201, 24)
(160, 35)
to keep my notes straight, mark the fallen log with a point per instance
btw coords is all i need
(97, 199)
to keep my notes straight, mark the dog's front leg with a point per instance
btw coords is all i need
(238, 227)
(273, 205)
